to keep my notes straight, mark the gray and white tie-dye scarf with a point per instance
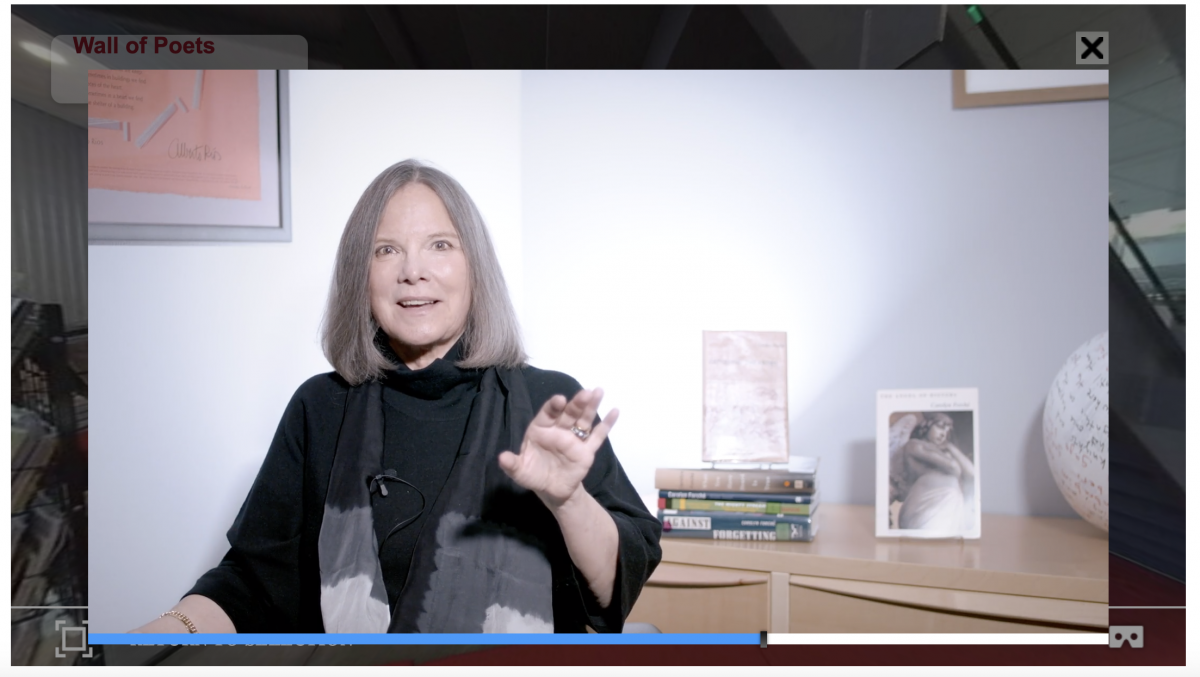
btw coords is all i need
(479, 564)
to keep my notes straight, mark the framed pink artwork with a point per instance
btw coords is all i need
(191, 155)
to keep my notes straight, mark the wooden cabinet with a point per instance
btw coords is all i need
(1026, 574)
(689, 598)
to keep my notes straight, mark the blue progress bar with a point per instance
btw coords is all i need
(384, 638)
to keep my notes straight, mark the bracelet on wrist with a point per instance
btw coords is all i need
(182, 619)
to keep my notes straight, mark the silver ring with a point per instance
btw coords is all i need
(580, 433)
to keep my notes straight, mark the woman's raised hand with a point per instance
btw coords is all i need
(554, 459)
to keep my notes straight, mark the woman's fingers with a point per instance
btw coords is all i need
(574, 409)
(517, 467)
(588, 416)
(550, 412)
(600, 432)
(509, 462)
(579, 412)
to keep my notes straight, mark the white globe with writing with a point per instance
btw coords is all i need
(1075, 429)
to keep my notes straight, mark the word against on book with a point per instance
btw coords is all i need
(686, 522)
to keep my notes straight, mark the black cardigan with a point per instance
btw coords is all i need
(269, 581)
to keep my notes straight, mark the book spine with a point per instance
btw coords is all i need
(725, 535)
(782, 532)
(762, 508)
(694, 519)
(684, 479)
(735, 496)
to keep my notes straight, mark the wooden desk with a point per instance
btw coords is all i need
(1027, 574)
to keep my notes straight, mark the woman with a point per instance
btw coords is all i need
(415, 489)
(940, 493)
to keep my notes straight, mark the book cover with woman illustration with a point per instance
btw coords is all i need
(927, 483)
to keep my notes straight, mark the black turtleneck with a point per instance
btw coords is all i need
(424, 421)
(270, 579)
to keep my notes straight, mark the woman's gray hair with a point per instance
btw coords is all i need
(492, 337)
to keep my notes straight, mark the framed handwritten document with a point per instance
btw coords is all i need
(196, 155)
(745, 397)
(927, 463)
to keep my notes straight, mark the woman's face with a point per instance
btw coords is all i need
(419, 281)
(939, 432)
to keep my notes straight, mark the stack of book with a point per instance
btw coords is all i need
(742, 505)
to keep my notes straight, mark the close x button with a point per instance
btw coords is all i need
(1091, 48)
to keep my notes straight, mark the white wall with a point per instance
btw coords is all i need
(195, 350)
(631, 211)
(898, 242)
